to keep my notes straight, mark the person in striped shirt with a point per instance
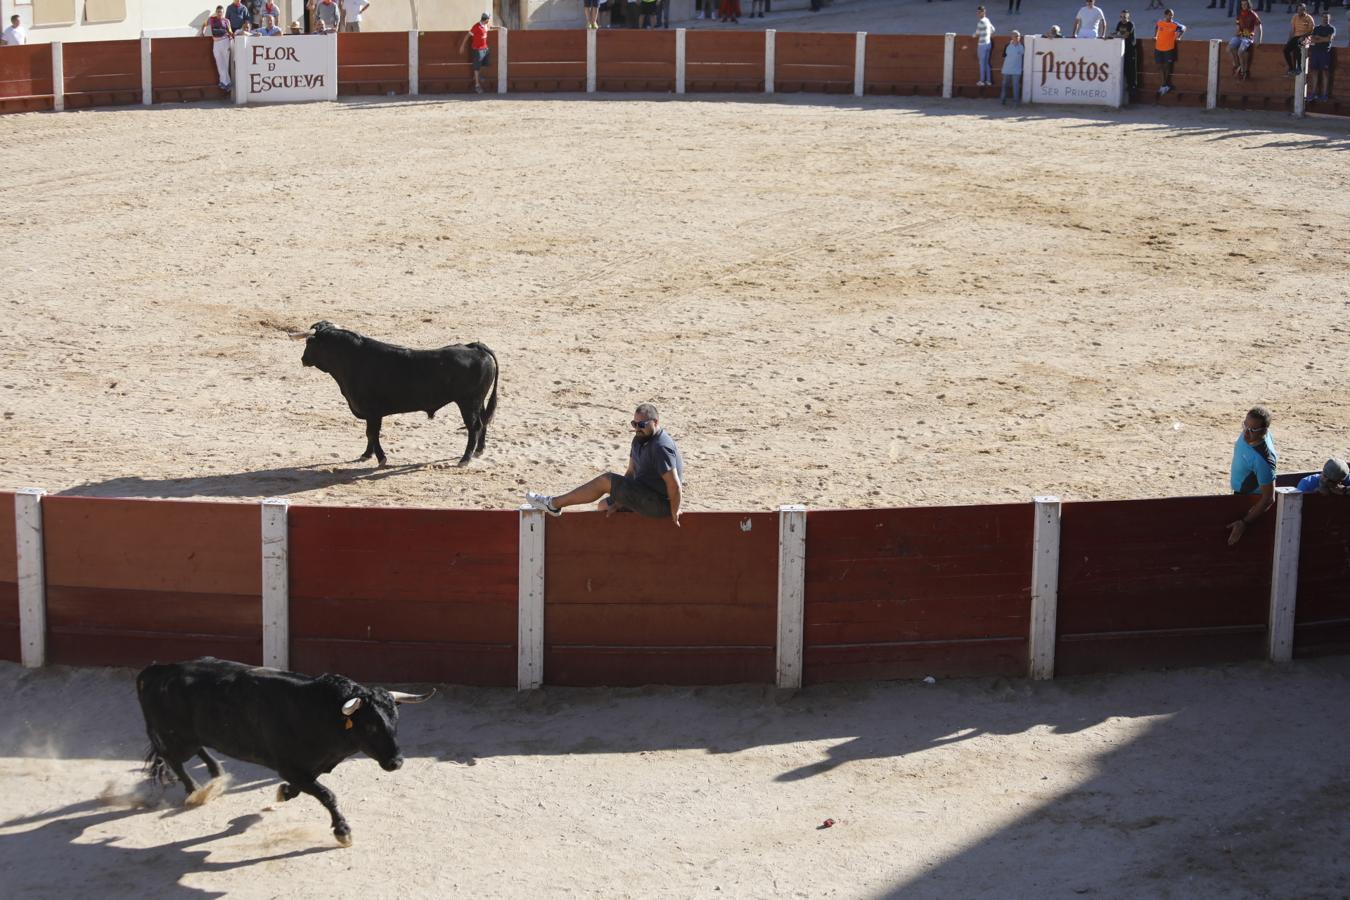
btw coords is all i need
(984, 43)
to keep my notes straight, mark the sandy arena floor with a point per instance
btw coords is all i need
(837, 303)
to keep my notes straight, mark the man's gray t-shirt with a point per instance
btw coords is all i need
(654, 457)
(328, 13)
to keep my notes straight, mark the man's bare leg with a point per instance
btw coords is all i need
(588, 493)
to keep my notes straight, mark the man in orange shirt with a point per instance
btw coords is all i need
(1249, 32)
(1166, 33)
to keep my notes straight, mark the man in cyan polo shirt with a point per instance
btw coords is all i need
(1253, 469)
(651, 485)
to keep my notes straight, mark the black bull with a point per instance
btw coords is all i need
(380, 379)
(300, 727)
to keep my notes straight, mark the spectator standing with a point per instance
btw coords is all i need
(1014, 6)
(219, 29)
(649, 13)
(1300, 26)
(1334, 479)
(1013, 57)
(236, 13)
(351, 14)
(729, 11)
(652, 485)
(1125, 31)
(477, 41)
(592, 10)
(269, 26)
(756, 8)
(269, 8)
(1166, 33)
(984, 43)
(663, 13)
(1253, 469)
(325, 13)
(1090, 21)
(15, 34)
(1319, 58)
(1249, 32)
(254, 11)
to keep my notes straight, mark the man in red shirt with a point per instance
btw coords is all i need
(478, 38)
(1249, 32)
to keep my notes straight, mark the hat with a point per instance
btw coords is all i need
(485, 16)
(1334, 472)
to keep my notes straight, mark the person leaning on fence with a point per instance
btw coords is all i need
(1300, 26)
(1013, 56)
(1090, 21)
(652, 485)
(1054, 33)
(476, 40)
(984, 43)
(295, 27)
(15, 34)
(1253, 469)
(323, 15)
(1333, 479)
(1167, 33)
(1320, 59)
(237, 12)
(1125, 31)
(221, 32)
(1249, 33)
(269, 27)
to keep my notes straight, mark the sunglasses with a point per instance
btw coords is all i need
(640, 423)
(1252, 430)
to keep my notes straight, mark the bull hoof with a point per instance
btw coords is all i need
(344, 839)
(363, 457)
(207, 792)
(462, 463)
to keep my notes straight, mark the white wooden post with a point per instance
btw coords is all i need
(413, 63)
(1044, 588)
(147, 90)
(1301, 84)
(58, 76)
(948, 63)
(239, 51)
(276, 583)
(1212, 84)
(1284, 573)
(859, 63)
(502, 35)
(770, 49)
(530, 600)
(29, 555)
(590, 60)
(791, 594)
(1028, 52)
(679, 60)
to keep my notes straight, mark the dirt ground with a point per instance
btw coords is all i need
(1226, 783)
(833, 302)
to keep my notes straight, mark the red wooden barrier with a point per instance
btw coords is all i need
(1190, 75)
(724, 61)
(1147, 583)
(966, 67)
(904, 64)
(183, 69)
(134, 581)
(902, 593)
(373, 62)
(26, 78)
(102, 73)
(546, 60)
(815, 63)
(442, 69)
(1322, 612)
(627, 60)
(638, 601)
(404, 594)
(1268, 87)
(9, 577)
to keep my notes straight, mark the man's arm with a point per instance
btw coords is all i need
(464, 44)
(1263, 502)
(1260, 32)
(1077, 21)
(672, 480)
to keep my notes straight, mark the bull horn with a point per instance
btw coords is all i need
(401, 697)
(300, 335)
(351, 706)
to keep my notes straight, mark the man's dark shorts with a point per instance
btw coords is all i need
(591, 4)
(630, 493)
(481, 58)
(1165, 57)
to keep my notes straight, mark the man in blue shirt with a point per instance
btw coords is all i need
(1335, 479)
(652, 485)
(1253, 469)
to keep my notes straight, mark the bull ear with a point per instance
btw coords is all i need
(401, 697)
(351, 706)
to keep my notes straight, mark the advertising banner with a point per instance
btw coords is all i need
(285, 69)
(1074, 70)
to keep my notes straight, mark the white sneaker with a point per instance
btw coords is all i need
(542, 501)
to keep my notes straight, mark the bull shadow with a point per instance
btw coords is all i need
(279, 482)
(55, 859)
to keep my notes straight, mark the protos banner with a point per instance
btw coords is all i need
(1074, 70)
(285, 69)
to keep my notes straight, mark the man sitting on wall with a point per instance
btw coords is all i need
(1249, 33)
(1335, 479)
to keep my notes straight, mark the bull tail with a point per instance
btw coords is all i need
(491, 408)
(156, 766)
